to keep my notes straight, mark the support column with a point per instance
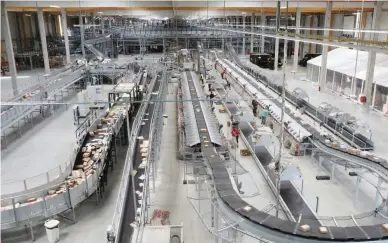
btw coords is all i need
(102, 25)
(110, 23)
(93, 23)
(275, 68)
(43, 40)
(263, 22)
(277, 39)
(81, 27)
(6, 33)
(243, 42)
(65, 35)
(164, 46)
(296, 48)
(252, 30)
(325, 48)
(370, 67)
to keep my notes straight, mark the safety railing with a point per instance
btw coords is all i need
(53, 175)
(29, 207)
(46, 90)
(155, 131)
(122, 196)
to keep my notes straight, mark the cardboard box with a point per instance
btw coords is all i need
(245, 152)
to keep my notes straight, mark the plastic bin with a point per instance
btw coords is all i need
(52, 230)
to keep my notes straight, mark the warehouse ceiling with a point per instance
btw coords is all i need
(187, 8)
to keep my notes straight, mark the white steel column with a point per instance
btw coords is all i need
(263, 22)
(102, 25)
(6, 34)
(325, 48)
(93, 23)
(243, 42)
(275, 68)
(65, 35)
(81, 27)
(297, 31)
(252, 30)
(42, 31)
(370, 67)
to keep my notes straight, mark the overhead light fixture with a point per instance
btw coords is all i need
(100, 12)
(283, 7)
(28, 15)
(54, 6)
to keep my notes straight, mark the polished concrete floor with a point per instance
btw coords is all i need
(170, 192)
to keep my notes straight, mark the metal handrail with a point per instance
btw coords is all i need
(150, 159)
(121, 198)
(63, 168)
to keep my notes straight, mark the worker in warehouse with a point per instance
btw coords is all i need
(255, 104)
(212, 95)
(236, 133)
(264, 115)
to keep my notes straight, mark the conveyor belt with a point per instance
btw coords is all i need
(379, 165)
(261, 223)
(129, 211)
(288, 192)
(347, 133)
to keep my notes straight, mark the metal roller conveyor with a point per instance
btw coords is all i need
(191, 129)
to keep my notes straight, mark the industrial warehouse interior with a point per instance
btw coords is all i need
(194, 121)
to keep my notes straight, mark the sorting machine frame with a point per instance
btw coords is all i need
(334, 124)
(271, 227)
(19, 212)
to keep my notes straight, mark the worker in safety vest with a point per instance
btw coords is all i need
(264, 114)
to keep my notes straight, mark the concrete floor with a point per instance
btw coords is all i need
(171, 194)
(42, 149)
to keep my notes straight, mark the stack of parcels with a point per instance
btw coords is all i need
(144, 154)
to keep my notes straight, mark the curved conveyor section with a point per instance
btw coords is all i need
(347, 133)
(376, 164)
(260, 223)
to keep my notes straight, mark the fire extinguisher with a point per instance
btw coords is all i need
(319, 88)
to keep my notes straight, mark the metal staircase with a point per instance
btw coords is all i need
(233, 54)
(94, 50)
